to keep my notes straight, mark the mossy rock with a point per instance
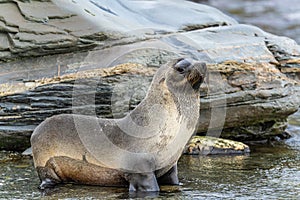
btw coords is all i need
(204, 145)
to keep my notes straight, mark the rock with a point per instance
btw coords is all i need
(204, 145)
(13, 157)
(286, 53)
(4, 43)
(253, 83)
(24, 24)
(37, 28)
(27, 152)
(21, 112)
(37, 11)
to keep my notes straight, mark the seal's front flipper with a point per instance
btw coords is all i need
(142, 182)
(169, 178)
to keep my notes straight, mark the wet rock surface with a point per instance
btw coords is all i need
(203, 145)
(254, 76)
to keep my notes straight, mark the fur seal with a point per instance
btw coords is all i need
(140, 150)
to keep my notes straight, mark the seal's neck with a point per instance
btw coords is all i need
(165, 105)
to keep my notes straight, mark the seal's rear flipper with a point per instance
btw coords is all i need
(48, 177)
(142, 182)
(169, 178)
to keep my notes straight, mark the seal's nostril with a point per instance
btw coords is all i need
(182, 65)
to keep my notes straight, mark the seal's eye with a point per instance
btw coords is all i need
(180, 70)
(182, 66)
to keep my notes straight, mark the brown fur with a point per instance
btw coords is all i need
(61, 144)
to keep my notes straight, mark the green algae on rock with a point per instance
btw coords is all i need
(205, 145)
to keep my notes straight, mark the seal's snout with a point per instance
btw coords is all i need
(197, 75)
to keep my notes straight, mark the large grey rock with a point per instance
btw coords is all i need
(254, 76)
(36, 28)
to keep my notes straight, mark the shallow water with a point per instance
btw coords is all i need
(269, 172)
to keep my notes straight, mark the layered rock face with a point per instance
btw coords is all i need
(253, 80)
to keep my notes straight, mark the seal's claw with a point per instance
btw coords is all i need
(47, 183)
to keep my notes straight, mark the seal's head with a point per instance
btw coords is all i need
(193, 72)
(185, 75)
